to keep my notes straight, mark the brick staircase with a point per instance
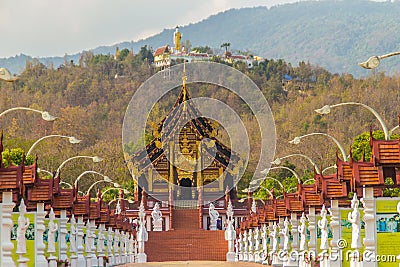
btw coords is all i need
(186, 241)
(185, 219)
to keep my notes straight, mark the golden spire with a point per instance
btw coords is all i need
(184, 79)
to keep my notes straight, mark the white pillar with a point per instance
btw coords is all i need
(281, 242)
(230, 234)
(312, 244)
(62, 248)
(88, 244)
(123, 247)
(111, 260)
(51, 241)
(6, 208)
(100, 244)
(92, 245)
(246, 246)
(142, 235)
(72, 241)
(264, 243)
(293, 258)
(241, 247)
(117, 252)
(40, 259)
(23, 224)
(370, 227)
(79, 242)
(336, 252)
(354, 218)
(257, 245)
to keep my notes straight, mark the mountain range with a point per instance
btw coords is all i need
(335, 35)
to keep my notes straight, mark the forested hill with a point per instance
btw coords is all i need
(333, 34)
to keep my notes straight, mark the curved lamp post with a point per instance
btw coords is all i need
(71, 139)
(101, 181)
(45, 115)
(105, 178)
(116, 186)
(115, 199)
(374, 61)
(95, 159)
(327, 109)
(45, 171)
(297, 140)
(330, 167)
(278, 161)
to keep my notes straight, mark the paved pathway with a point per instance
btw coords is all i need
(194, 264)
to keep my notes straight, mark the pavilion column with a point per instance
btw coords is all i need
(6, 208)
(79, 242)
(40, 259)
(336, 252)
(370, 241)
(62, 222)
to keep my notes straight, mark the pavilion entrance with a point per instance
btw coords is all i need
(186, 189)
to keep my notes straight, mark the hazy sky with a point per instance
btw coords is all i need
(55, 27)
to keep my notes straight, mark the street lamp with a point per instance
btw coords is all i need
(67, 184)
(45, 115)
(330, 167)
(101, 181)
(95, 159)
(278, 161)
(374, 61)
(297, 140)
(327, 109)
(116, 186)
(115, 199)
(71, 139)
(267, 177)
(46, 171)
(106, 178)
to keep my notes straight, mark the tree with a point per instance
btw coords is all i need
(361, 145)
(226, 45)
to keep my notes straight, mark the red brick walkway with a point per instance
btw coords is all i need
(194, 264)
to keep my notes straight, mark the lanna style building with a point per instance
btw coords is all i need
(186, 169)
(185, 163)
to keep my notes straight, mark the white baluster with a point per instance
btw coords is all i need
(40, 259)
(79, 242)
(72, 241)
(62, 222)
(88, 244)
(51, 242)
(23, 224)
(370, 227)
(100, 244)
(336, 252)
